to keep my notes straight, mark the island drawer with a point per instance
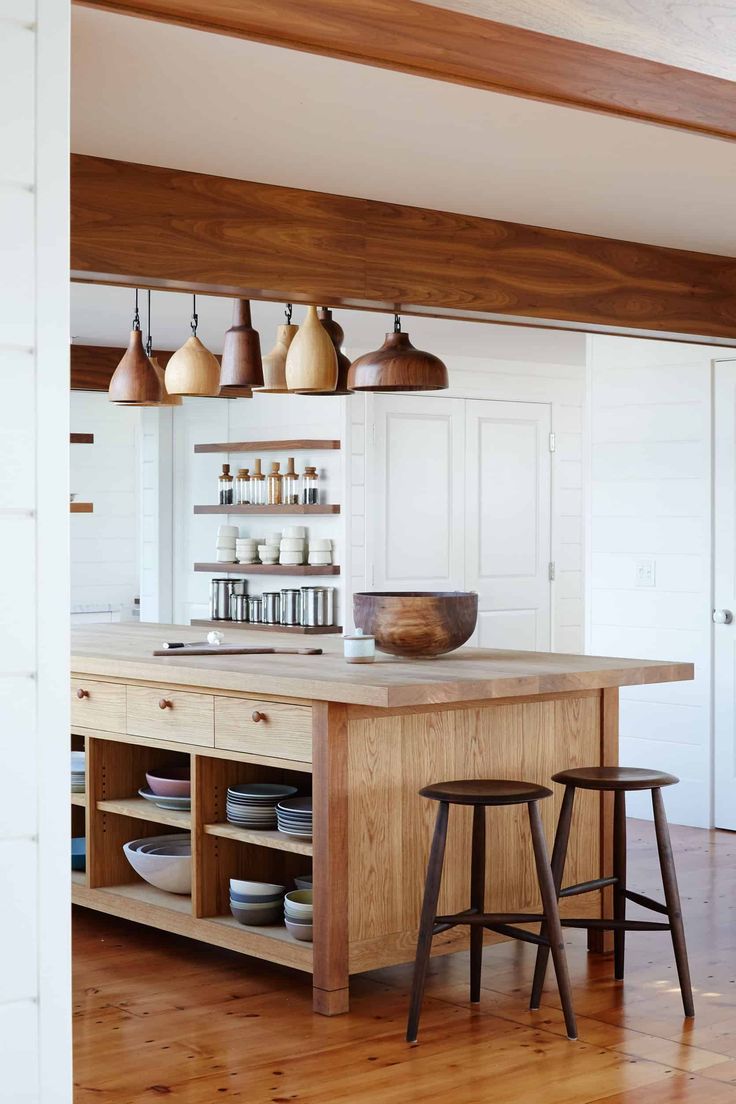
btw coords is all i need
(177, 715)
(98, 705)
(276, 729)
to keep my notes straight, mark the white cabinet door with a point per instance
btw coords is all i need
(724, 592)
(507, 527)
(416, 510)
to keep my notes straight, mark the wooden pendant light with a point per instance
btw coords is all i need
(337, 336)
(397, 366)
(193, 370)
(241, 354)
(311, 362)
(134, 381)
(274, 363)
(166, 398)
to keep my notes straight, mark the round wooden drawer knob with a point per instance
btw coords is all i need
(82, 693)
(164, 703)
(258, 716)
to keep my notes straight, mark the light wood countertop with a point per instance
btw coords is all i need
(469, 674)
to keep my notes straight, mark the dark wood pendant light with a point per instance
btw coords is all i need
(134, 382)
(241, 354)
(337, 336)
(398, 366)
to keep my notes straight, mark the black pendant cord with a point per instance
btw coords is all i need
(195, 321)
(136, 316)
(149, 339)
(397, 324)
(287, 313)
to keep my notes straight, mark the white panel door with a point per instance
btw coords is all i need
(417, 503)
(724, 592)
(507, 510)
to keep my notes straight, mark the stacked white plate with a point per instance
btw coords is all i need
(292, 550)
(78, 768)
(253, 804)
(246, 550)
(226, 538)
(294, 815)
(320, 551)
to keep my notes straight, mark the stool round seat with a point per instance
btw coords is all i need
(485, 791)
(614, 778)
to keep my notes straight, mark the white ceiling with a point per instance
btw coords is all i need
(167, 95)
(102, 316)
(692, 34)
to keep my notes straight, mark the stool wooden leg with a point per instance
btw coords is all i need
(559, 854)
(477, 897)
(552, 917)
(672, 899)
(426, 923)
(619, 872)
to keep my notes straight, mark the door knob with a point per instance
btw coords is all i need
(256, 715)
(164, 703)
(82, 693)
(722, 617)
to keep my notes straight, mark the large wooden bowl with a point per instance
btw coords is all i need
(417, 623)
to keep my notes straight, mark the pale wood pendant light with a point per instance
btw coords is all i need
(337, 336)
(241, 355)
(167, 399)
(398, 366)
(274, 363)
(193, 369)
(311, 362)
(134, 382)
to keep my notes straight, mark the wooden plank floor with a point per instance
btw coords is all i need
(159, 1017)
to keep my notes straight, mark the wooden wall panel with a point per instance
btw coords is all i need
(140, 225)
(93, 365)
(464, 49)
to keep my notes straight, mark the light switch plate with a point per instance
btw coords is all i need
(646, 573)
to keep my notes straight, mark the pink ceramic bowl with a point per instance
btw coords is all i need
(170, 781)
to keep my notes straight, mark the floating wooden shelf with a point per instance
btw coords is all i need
(267, 569)
(305, 630)
(299, 445)
(279, 841)
(81, 507)
(146, 810)
(81, 438)
(291, 509)
(80, 799)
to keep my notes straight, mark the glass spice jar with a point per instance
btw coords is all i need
(291, 484)
(274, 485)
(310, 487)
(225, 486)
(258, 486)
(242, 487)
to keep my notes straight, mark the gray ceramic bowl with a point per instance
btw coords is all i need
(303, 932)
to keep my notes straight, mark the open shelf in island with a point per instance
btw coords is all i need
(296, 445)
(146, 810)
(79, 799)
(279, 841)
(284, 508)
(267, 569)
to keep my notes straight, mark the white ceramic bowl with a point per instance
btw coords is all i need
(170, 872)
(303, 932)
(292, 544)
(264, 889)
(299, 903)
(295, 531)
(227, 531)
(319, 558)
(292, 558)
(319, 544)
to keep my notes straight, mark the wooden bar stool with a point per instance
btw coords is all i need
(480, 793)
(619, 780)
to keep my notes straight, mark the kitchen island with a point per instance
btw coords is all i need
(363, 739)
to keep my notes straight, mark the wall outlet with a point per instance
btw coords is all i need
(646, 573)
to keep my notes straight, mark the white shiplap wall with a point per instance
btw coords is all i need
(650, 499)
(35, 1043)
(104, 544)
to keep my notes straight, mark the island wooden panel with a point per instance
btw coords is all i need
(142, 225)
(464, 49)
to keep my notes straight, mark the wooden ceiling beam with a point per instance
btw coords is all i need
(140, 225)
(92, 366)
(448, 45)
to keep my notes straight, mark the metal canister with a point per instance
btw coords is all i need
(314, 606)
(255, 609)
(238, 607)
(331, 593)
(240, 586)
(271, 607)
(220, 591)
(291, 607)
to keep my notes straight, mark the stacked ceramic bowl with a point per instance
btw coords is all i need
(298, 914)
(293, 547)
(79, 760)
(169, 788)
(226, 538)
(253, 804)
(320, 551)
(246, 550)
(294, 816)
(256, 902)
(304, 881)
(268, 553)
(163, 861)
